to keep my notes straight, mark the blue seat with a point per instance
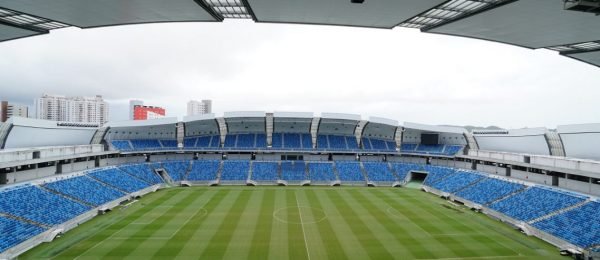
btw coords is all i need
(235, 170)
(349, 171)
(204, 170)
(142, 172)
(15, 232)
(265, 171)
(177, 170)
(379, 171)
(321, 171)
(580, 226)
(80, 188)
(119, 179)
(489, 190)
(293, 171)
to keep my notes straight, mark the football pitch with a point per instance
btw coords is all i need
(240, 222)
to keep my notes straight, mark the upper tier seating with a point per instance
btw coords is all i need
(80, 187)
(208, 141)
(349, 171)
(119, 179)
(452, 149)
(142, 172)
(245, 141)
(122, 145)
(33, 203)
(204, 170)
(291, 141)
(436, 173)
(277, 140)
(265, 171)
(177, 170)
(534, 203)
(321, 171)
(402, 169)
(169, 144)
(235, 170)
(457, 182)
(408, 147)
(336, 142)
(306, 141)
(378, 171)
(14, 232)
(293, 171)
(580, 226)
(378, 144)
(430, 148)
(145, 144)
(489, 190)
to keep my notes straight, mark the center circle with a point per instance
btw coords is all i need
(299, 215)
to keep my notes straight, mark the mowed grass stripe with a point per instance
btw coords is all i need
(352, 247)
(173, 246)
(119, 223)
(279, 231)
(241, 239)
(297, 245)
(418, 241)
(378, 222)
(165, 231)
(310, 216)
(126, 246)
(367, 238)
(403, 235)
(262, 234)
(205, 235)
(331, 242)
(438, 224)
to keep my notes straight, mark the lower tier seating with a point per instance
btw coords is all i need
(204, 170)
(457, 182)
(379, 171)
(38, 205)
(265, 171)
(349, 171)
(580, 226)
(293, 171)
(402, 169)
(80, 187)
(235, 170)
(119, 179)
(437, 173)
(142, 172)
(321, 171)
(535, 202)
(489, 190)
(177, 170)
(15, 232)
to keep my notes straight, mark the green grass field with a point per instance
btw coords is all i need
(293, 223)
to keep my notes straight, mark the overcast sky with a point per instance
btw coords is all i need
(400, 74)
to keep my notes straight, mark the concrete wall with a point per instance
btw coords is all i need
(532, 177)
(21, 176)
(171, 157)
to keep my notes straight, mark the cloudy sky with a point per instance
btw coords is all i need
(400, 74)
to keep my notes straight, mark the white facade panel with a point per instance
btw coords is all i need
(23, 136)
(534, 144)
(582, 145)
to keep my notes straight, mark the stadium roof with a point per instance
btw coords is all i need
(550, 24)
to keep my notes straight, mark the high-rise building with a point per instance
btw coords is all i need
(199, 107)
(72, 109)
(132, 104)
(8, 110)
(148, 112)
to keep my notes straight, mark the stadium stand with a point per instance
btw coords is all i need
(337, 142)
(177, 170)
(190, 142)
(79, 188)
(291, 141)
(580, 226)
(430, 148)
(535, 202)
(408, 147)
(235, 170)
(277, 140)
(306, 141)
(169, 144)
(245, 141)
(208, 141)
(378, 145)
(378, 172)
(349, 171)
(35, 204)
(489, 190)
(318, 171)
(204, 170)
(452, 149)
(322, 142)
(293, 171)
(402, 169)
(15, 232)
(122, 145)
(142, 172)
(436, 173)
(145, 144)
(457, 182)
(265, 171)
(118, 179)
(351, 142)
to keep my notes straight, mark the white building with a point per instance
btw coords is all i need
(72, 109)
(199, 107)
(132, 104)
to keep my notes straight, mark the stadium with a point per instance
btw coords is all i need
(301, 185)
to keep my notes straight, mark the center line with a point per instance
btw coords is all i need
(302, 224)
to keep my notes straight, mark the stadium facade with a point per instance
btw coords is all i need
(534, 179)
